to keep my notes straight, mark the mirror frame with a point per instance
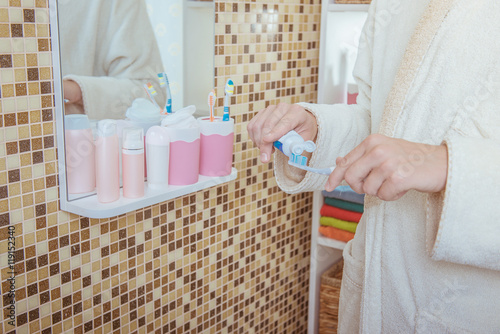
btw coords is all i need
(58, 102)
(87, 205)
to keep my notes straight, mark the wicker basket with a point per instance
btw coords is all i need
(329, 298)
(353, 1)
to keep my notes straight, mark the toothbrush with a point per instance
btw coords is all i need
(151, 91)
(164, 82)
(211, 104)
(229, 91)
(299, 161)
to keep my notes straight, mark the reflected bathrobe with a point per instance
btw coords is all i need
(109, 48)
(428, 71)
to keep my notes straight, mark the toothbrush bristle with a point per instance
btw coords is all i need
(299, 159)
(151, 88)
(229, 87)
(211, 99)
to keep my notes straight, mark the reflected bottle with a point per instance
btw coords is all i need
(107, 162)
(133, 162)
(80, 154)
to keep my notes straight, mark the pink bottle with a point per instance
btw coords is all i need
(133, 162)
(216, 146)
(80, 154)
(184, 163)
(107, 162)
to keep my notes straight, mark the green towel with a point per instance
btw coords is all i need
(337, 223)
(344, 204)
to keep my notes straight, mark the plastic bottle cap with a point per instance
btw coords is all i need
(133, 138)
(106, 128)
(157, 135)
(76, 122)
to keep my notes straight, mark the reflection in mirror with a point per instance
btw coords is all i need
(111, 52)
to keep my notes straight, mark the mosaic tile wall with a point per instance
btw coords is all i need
(229, 259)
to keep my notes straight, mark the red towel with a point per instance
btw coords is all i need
(335, 233)
(331, 211)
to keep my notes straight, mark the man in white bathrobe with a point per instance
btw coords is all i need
(108, 52)
(423, 142)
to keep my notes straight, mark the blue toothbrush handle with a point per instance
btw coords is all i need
(169, 106)
(225, 117)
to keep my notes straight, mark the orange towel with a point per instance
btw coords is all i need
(335, 233)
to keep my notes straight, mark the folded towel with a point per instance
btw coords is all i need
(335, 233)
(345, 193)
(344, 204)
(332, 211)
(338, 223)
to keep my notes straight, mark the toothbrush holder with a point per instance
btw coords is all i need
(184, 162)
(216, 146)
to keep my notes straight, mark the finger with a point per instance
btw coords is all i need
(392, 188)
(374, 180)
(285, 118)
(375, 161)
(343, 164)
(255, 125)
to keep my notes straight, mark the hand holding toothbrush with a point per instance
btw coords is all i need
(275, 121)
(388, 167)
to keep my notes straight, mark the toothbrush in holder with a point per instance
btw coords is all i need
(164, 82)
(151, 91)
(229, 90)
(211, 104)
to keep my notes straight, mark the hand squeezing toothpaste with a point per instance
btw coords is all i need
(293, 145)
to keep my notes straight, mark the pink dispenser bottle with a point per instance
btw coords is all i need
(107, 162)
(184, 164)
(133, 162)
(157, 146)
(216, 146)
(80, 154)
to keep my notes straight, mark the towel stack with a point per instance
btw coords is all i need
(341, 213)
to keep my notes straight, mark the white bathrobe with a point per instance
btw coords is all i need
(428, 71)
(108, 47)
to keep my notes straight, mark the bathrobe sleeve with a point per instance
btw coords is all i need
(341, 127)
(127, 56)
(463, 224)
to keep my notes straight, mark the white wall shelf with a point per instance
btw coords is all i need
(332, 243)
(340, 7)
(199, 4)
(92, 208)
(338, 22)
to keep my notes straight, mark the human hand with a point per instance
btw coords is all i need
(388, 167)
(275, 121)
(72, 92)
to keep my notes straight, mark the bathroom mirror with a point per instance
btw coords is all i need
(106, 51)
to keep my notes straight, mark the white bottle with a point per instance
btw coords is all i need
(107, 156)
(133, 162)
(158, 148)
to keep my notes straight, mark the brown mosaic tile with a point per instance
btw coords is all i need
(16, 30)
(9, 119)
(43, 45)
(244, 210)
(33, 74)
(21, 89)
(29, 15)
(12, 148)
(22, 118)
